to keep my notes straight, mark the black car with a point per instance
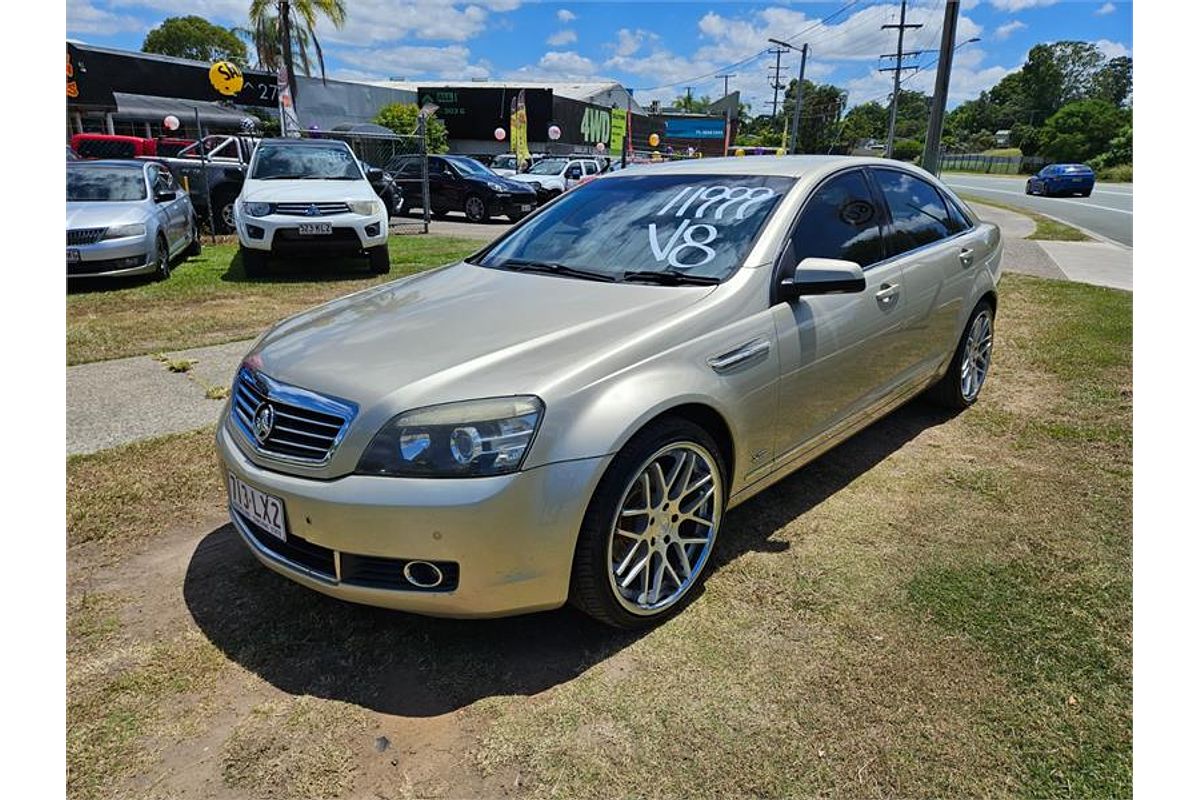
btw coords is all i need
(459, 183)
(386, 187)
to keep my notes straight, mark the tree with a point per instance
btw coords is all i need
(692, 105)
(820, 115)
(402, 119)
(865, 121)
(1119, 151)
(1082, 130)
(267, 32)
(1114, 81)
(195, 38)
(907, 149)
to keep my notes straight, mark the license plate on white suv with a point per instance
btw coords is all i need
(264, 510)
(316, 228)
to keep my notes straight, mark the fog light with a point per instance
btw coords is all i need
(254, 232)
(422, 574)
(372, 229)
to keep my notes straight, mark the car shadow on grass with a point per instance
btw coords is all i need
(301, 269)
(305, 643)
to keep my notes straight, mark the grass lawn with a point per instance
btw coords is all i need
(209, 299)
(940, 607)
(1047, 229)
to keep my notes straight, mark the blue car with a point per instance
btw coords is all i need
(1062, 179)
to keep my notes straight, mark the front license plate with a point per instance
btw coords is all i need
(526, 207)
(264, 510)
(316, 228)
(72, 256)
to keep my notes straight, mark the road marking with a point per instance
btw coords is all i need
(1056, 199)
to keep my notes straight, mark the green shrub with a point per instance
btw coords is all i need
(1121, 173)
(906, 150)
(402, 118)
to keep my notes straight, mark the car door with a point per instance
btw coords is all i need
(178, 210)
(444, 187)
(938, 259)
(572, 174)
(407, 175)
(162, 211)
(837, 350)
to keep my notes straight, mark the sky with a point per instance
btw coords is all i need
(658, 49)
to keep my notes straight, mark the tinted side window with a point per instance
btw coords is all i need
(958, 220)
(410, 168)
(840, 221)
(919, 215)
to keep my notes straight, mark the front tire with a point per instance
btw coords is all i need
(959, 388)
(162, 259)
(194, 247)
(223, 204)
(651, 526)
(380, 259)
(475, 208)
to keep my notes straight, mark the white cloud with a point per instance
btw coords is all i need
(564, 15)
(85, 17)
(1009, 28)
(558, 65)
(411, 62)
(566, 36)
(1021, 5)
(1111, 49)
(1107, 8)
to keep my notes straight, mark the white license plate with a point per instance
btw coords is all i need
(264, 510)
(526, 207)
(316, 228)
(72, 256)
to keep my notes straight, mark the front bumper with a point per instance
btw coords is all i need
(502, 205)
(280, 233)
(105, 259)
(512, 537)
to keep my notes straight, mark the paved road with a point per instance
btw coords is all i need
(1108, 212)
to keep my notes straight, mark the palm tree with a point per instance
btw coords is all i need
(269, 29)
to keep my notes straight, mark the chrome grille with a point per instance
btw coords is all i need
(306, 209)
(307, 426)
(84, 235)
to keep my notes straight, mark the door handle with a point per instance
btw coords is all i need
(966, 256)
(887, 294)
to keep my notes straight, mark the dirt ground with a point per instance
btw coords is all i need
(939, 607)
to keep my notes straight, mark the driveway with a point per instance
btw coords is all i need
(1108, 212)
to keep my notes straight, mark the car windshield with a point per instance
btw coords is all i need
(469, 166)
(504, 162)
(305, 162)
(688, 228)
(100, 184)
(548, 166)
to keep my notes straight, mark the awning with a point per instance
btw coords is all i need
(147, 108)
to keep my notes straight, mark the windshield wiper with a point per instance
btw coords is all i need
(554, 268)
(668, 277)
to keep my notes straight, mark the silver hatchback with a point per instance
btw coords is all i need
(126, 218)
(570, 413)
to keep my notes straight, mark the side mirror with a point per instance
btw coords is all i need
(574, 173)
(164, 196)
(815, 276)
(374, 174)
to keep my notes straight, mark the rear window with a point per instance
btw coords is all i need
(702, 225)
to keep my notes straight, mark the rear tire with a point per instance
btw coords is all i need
(956, 390)
(380, 259)
(254, 262)
(194, 247)
(223, 212)
(664, 525)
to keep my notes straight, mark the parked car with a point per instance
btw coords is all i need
(460, 183)
(609, 379)
(309, 196)
(223, 166)
(1062, 179)
(126, 218)
(385, 187)
(551, 177)
(505, 165)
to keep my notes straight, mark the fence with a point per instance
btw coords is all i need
(383, 152)
(995, 165)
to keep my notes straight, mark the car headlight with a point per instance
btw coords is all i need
(365, 207)
(256, 209)
(455, 440)
(495, 187)
(121, 231)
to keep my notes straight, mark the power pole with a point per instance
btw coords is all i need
(941, 87)
(776, 84)
(792, 148)
(727, 76)
(688, 102)
(897, 69)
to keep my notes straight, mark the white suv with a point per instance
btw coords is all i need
(309, 197)
(552, 176)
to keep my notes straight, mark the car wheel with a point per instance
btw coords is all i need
(194, 247)
(960, 386)
(651, 526)
(223, 212)
(254, 262)
(380, 259)
(162, 259)
(1088, 193)
(475, 208)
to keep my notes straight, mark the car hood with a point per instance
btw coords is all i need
(93, 214)
(462, 332)
(542, 179)
(306, 191)
(510, 184)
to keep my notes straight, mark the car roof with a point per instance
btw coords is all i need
(302, 142)
(783, 166)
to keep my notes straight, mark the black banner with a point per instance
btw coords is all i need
(475, 113)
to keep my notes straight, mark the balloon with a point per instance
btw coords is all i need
(171, 122)
(600, 146)
(226, 78)
(654, 140)
(739, 152)
(779, 151)
(500, 134)
(554, 132)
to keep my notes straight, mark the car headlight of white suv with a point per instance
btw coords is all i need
(474, 438)
(367, 208)
(256, 209)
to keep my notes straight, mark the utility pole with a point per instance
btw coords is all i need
(688, 102)
(795, 133)
(941, 87)
(776, 84)
(727, 76)
(897, 69)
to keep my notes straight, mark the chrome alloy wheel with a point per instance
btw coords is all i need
(665, 528)
(977, 355)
